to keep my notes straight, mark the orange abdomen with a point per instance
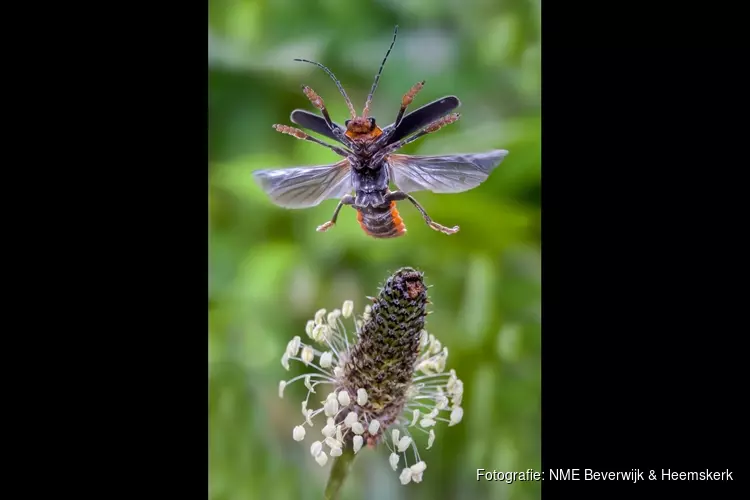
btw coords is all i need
(382, 222)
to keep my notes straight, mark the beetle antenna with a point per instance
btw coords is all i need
(338, 84)
(377, 77)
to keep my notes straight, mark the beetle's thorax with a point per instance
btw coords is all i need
(370, 182)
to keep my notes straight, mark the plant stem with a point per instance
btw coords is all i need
(339, 471)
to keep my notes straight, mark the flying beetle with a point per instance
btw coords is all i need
(370, 162)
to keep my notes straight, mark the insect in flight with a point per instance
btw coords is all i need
(370, 162)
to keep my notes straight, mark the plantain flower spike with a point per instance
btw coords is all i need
(382, 385)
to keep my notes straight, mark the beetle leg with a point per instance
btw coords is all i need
(295, 132)
(406, 100)
(346, 200)
(400, 195)
(317, 101)
(432, 127)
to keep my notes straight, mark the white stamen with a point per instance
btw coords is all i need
(418, 467)
(333, 317)
(344, 399)
(458, 392)
(405, 476)
(374, 427)
(320, 333)
(351, 418)
(308, 385)
(299, 433)
(347, 308)
(282, 385)
(456, 415)
(319, 316)
(430, 439)
(285, 361)
(361, 397)
(336, 452)
(307, 355)
(322, 458)
(415, 417)
(292, 348)
(333, 443)
(427, 422)
(358, 428)
(436, 346)
(329, 430)
(309, 328)
(357, 443)
(393, 460)
(423, 339)
(316, 448)
(325, 359)
(403, 444)
(331, 406)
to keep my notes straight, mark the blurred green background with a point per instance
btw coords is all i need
(269, 270)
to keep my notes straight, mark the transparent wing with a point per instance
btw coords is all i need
(443, 174)
(303, 187)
